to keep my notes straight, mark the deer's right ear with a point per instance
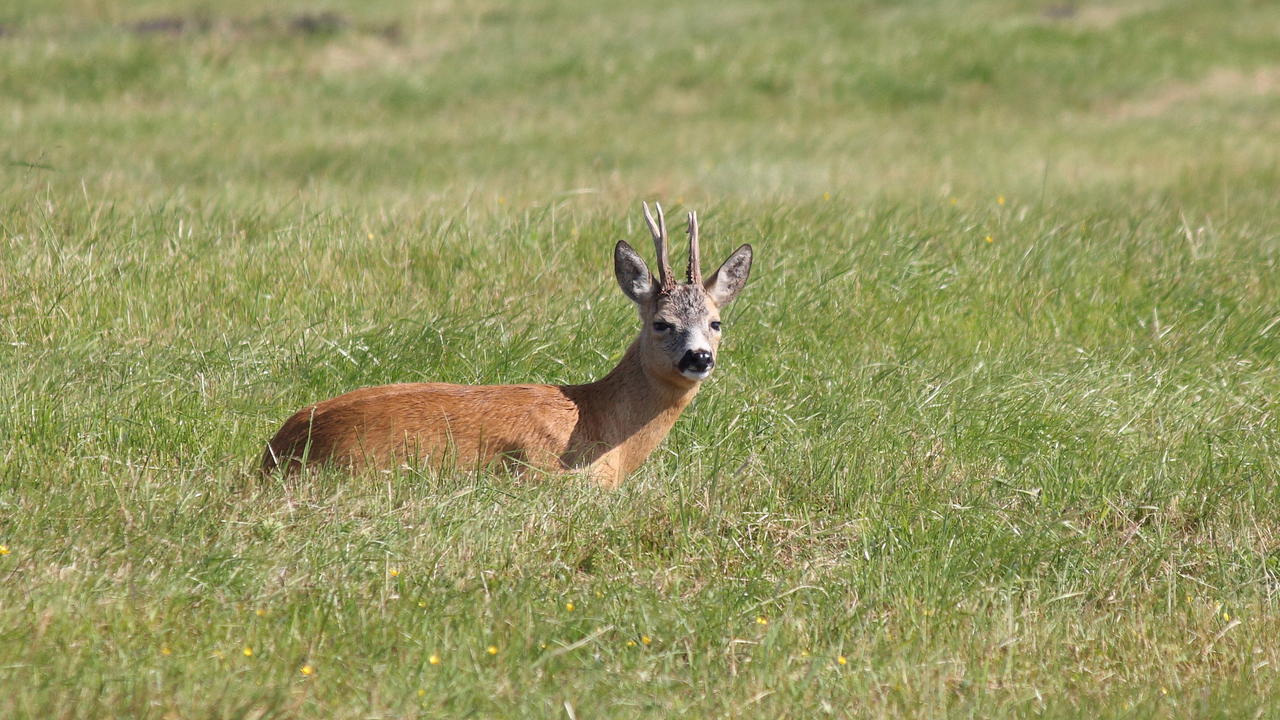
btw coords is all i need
(633, 275)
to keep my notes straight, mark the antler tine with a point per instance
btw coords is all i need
(695, 263)
(659, 232)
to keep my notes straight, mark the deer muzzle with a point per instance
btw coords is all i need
(697, 363)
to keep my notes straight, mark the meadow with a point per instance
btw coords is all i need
(994, 431)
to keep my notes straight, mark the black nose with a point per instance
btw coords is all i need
(697, 360)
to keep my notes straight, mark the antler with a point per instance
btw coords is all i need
(659, 232)
(695, 265)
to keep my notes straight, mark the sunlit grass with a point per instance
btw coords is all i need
(993, 432)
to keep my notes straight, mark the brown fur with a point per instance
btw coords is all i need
(607, 428)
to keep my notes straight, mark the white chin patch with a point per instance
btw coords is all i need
(696, 374)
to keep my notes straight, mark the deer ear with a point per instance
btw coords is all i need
(633, 275)
(724, 284)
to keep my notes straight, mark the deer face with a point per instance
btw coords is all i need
(681, 322)
(683, 333)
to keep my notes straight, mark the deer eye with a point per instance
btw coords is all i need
(661, 326)
(715, 325)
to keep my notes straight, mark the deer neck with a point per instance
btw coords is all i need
(627, 413)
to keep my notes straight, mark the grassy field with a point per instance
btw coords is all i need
(995, 431)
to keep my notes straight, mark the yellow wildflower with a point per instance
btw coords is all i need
(762, 620)
(568, 606)
(394, 572)
(4, 549)
(999, 199)
(989, 239)
(646, 639)
(307, 670)
(164, 650)
(842, 660)
(247, 651)
(492, 649)
(434, 659)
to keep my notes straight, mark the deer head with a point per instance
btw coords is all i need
(680, 322)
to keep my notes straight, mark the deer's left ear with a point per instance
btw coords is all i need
(725, 284)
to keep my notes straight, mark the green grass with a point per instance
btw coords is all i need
(1036, 475)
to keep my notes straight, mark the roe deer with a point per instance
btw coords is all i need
(606, 428)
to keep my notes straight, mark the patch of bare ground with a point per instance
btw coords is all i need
(1218, 84)
(166, 25)
(1094, 16)
(302, 24)
(350, 46)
